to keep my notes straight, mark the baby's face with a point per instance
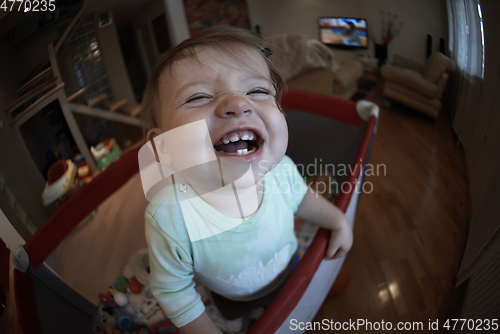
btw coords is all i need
(236, 99)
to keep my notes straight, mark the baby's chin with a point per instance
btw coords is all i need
(217, 174)
(235, 170)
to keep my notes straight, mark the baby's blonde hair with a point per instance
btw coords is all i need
(223, 38)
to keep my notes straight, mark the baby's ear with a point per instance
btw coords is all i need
(149, 136)
(153, 133)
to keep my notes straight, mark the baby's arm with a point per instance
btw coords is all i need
(316, 209)
(171, 281)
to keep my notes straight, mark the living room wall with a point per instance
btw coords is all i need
(113, 58)
(18, 176)
(300, 17)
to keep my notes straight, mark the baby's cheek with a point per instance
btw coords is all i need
(281, 122)
(281, 135)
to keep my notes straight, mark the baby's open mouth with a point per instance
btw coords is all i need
(238, 143)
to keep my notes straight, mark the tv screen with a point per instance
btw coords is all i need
(343, 32)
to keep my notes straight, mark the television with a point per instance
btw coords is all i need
(343, 32)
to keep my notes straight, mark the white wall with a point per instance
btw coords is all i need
(9, 234)
(144, 34)
(113, 59)
(421, 17)
(177, 21)
(177, 27)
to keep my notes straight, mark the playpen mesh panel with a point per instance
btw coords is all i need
(57, 315)
(317, 143)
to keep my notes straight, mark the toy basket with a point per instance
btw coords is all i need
(323, 130)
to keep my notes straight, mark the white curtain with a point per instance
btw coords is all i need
(475, 105)
(466, 44)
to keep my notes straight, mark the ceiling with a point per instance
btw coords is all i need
(101, 5)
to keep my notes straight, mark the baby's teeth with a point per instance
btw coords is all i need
(225, 141)
(245, 137)
(234, 138)
(251, 137)
(240, 152)
(245, 151)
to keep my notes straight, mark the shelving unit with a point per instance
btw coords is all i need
(47, 90)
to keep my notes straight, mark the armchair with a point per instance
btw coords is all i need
(418, 86)
(307, 64)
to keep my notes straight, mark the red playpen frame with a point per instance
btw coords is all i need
(42, 298)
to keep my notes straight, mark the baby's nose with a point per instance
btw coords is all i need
(234, 105)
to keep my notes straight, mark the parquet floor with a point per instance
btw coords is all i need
(410, 232)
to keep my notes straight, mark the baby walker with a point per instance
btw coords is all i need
(61, 179)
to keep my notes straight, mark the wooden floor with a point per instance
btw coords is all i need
(8, 321)
(409, 233)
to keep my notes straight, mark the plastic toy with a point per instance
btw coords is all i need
(120, 298)
(60, 181)
(121, 284)
(130, 302)
(106, 152)
(134, 286)
(83, 170)
(104, 317)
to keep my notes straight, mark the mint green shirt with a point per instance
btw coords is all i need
(238, 259)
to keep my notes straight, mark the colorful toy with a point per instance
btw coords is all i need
(120, 298)
(108, 302)
(106, 152)
(60, 181)
(134, 286)
(128, 300)
(121, 284)
(103, 316)
(83, 170)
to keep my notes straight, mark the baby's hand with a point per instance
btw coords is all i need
(340, 240)
(323, 213)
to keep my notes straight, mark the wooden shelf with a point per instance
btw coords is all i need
(30, 93)
(98, 99)
(37, 102)
(132, 109)
(115, 104)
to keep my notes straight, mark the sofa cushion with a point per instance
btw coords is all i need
(318, 80)
(409, 79)
(404, 62)
(412, 103)
(297, 54)
(411, 94)
(436, 65)
(347, 75)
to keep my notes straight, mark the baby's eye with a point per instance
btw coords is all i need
(197, 97)
(258, 91)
